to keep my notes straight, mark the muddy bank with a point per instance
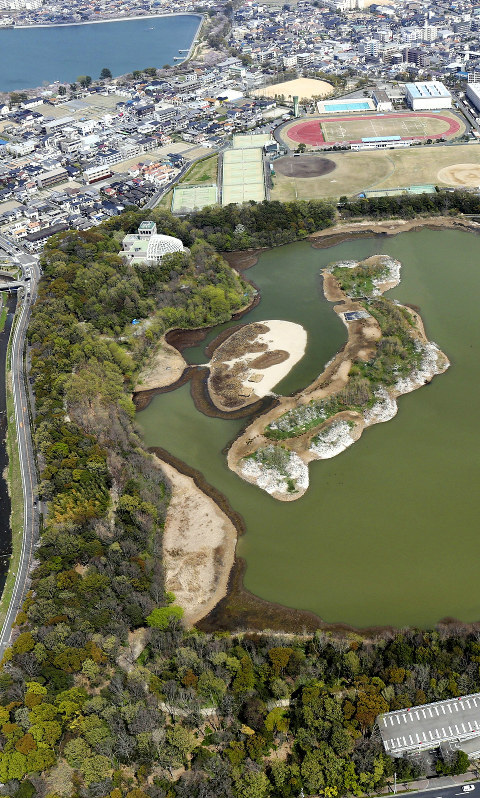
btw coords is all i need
(242, 611)
(349, 231)
(198, 378)
(241, 260)
(201, 483)
(182, 339)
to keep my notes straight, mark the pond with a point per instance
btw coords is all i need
(387, 532)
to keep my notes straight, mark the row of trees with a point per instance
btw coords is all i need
(408, 206)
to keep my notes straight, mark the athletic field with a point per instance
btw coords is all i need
(330, 130)
(354, 172)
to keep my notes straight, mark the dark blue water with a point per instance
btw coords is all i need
(31, 56)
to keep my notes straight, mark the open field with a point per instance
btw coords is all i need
(202, 172)
(330, 130)
(358, 171)
(304, 88)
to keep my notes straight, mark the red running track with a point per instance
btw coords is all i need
(311, 132)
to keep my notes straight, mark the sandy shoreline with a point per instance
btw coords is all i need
(253, 360)
(282, 469)
(199, 543)
(333, 235)
(164, 368)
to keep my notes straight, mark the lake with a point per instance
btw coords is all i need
(387, 532)
(31, 56)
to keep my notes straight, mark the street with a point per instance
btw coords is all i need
(24, 439)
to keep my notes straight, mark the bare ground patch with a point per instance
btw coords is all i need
(269, 359)
(460, 174)
(304, 166)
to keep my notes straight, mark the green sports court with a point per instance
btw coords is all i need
(193, 198)
(243, 177)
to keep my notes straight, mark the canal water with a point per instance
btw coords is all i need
(388, 531)
(31, 56)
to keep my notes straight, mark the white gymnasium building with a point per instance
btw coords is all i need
(429, 96)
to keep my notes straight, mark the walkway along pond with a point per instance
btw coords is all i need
(376, 539)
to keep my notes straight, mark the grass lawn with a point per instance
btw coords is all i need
(204, 171)
(4, 311)
(377, 169)
(166, 201)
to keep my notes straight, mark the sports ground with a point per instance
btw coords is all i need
(329, 130)
(350, 173)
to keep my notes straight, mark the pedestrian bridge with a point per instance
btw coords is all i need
(12, 285)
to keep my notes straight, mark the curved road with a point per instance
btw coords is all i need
(24, 440)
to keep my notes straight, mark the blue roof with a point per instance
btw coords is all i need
(428, 89)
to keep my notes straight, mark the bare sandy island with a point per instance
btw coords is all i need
(164, 368)
(304, 88)
(198, 547)
(275, 450)
(251, 361)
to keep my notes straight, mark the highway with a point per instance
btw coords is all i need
(24, 439)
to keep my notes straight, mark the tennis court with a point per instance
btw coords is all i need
(243, 177)
(192, 198)
(246, 141)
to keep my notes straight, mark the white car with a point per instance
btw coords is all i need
(468, 787)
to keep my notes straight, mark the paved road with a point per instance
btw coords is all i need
(448, 791)
(24, 438)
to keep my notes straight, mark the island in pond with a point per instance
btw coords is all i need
(386, 355)
(252, 360)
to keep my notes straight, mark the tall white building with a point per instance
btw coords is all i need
(371, 47)
(429, 33)
(473, 94)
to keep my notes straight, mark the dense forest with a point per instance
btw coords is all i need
(103, 691)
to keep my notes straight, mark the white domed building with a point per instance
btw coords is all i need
(148, 246)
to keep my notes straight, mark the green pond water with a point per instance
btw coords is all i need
(388, 532)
